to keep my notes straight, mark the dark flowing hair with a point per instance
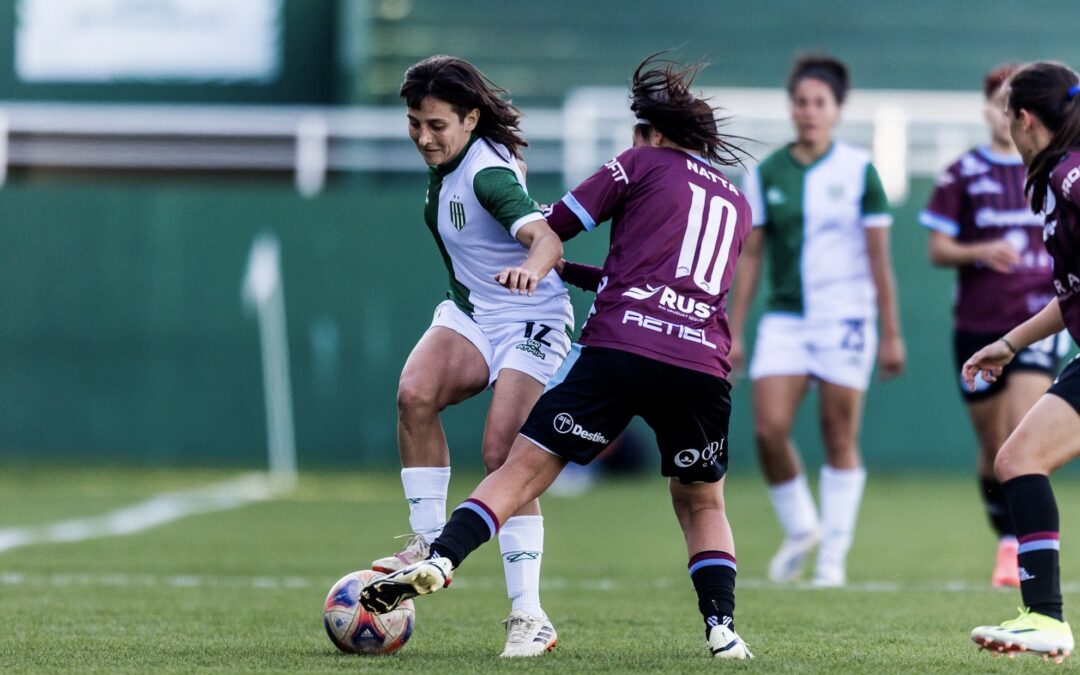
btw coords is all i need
(824, 68)
(660, 97)
(461, 85)
(1043, 89)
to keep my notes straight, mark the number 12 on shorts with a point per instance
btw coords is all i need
(530, 328)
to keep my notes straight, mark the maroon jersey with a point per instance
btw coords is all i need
(1062, 236)
(980, 198)
(677, 227)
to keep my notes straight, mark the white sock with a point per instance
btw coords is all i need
(841, 492)
(521, 542)
(425, 491)
(794, 507)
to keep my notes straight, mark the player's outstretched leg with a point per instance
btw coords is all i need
(422, 578)
(471, 524)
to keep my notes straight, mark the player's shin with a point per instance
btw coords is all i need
(521, 542)
(470, 525)
(425, 492)
(1035, 518)
(713, 574)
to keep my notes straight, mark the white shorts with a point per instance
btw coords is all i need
(536, 348)
(840, 351)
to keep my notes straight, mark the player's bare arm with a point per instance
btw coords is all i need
(892, 354)
(999, 255)
(545, 251)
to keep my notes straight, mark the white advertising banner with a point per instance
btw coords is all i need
(152, 40)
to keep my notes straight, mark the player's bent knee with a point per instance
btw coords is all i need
(415, 397)
(771, 436)
(1011, 463)
(493, 459)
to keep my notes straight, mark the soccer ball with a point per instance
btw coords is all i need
(355, 630)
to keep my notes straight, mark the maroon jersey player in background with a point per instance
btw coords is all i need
(1044, 120)
(981, 224)
(655, 345)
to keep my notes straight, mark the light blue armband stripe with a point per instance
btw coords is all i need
(939, 223)
(574, 205)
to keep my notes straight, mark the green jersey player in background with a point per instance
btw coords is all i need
(492, 237)
(821, 216)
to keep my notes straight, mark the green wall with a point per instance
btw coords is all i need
(539, 50)
(123, 337)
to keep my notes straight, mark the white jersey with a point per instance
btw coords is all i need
(475, 206)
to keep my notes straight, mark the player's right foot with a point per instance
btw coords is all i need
(416, 549)
(426, 576)
(787, 564)
(1006, 569)
(725, 643)
(1031, 632)
(528, 635)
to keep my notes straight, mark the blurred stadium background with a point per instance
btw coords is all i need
(145, 144)
(160, 158)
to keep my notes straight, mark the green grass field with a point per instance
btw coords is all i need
(241, 590)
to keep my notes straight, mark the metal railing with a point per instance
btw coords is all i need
(910, 133)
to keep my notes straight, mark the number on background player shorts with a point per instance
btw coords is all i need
(840, 351)
(598, 391)
(536, 348)
(1042, 357)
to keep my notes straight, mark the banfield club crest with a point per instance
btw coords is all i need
(457, 214)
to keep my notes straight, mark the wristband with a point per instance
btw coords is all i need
(1008, 344)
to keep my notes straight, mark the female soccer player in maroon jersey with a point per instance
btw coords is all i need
(1044, 120)
(655, 345)
(981, 224)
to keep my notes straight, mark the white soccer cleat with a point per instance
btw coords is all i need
(787, 564)
(528, 635)
(415, 550)
(426, 576)
(829, 576)
(1031, 633)
(725, 643)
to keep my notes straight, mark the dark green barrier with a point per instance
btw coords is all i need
(122, 336)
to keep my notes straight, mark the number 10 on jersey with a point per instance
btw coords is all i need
(704, 226)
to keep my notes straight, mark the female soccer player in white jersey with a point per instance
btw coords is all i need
(1044, 120)
(492, 237)
(655, 345)
(980, 223)
(821, 216)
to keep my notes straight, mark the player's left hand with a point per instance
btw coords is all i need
(892, 357)
(518, 280)
(990, 361)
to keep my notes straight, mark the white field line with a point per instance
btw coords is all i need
(10, 578)
(153, 512)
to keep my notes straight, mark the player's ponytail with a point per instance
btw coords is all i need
(1051, 92)
(460, 84)
(660, 97)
